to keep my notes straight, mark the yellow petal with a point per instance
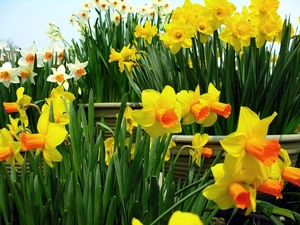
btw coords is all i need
(234, 144)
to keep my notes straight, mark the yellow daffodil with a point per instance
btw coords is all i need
(14, 128)
(161, 112)
(271, 187)
(237, 32)
(282, 169)
(186, 218)
(178, 35)
(19, 106)
(221, 9)
(59, 111)
(211, 99)
(191, 108)
(50, 135)
(258, 7)
(178, 218)
(250, 136)
(9, 149)
(127, 57)
(148, 32)
(59, 92)
(135, 222)
(231, 189)
(266, 28)
(130, 123)
(198, 150)
(109, 149)
(189, 12)
(168, 153)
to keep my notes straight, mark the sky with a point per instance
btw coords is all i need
(26, 21)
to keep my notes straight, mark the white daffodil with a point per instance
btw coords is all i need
(8, 74)
(59, 75)
(77, 69)
(30, 55)
(26, 72)
(47, 52)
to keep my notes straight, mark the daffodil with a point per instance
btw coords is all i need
(198, 149)
(14, 128)
(9, 149)
(135, 221)
(48, 137)
(47, 53)
(231, 189)
(19, 106)
(258, 7)
(250, 137)
(192, 109)
(59, 75)
(186, 218)
(161, 112)
(220, 9)
(77, 69)
(211, 99)
(237, 32)
(26, 73)
(147, 32)
(109, 149)
(130, 123)
(178, 35)
(59, 111)
(60, 92)
(271, 187)
(266, 28)
(8, 74)
(31, 56)
(282, 169)
(127, 57)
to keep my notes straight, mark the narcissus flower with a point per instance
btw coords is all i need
(250, 136)
(59, 75)
(50, 135)
(211, 99)
(8, 74)
(19, 106)
(199, 150)
(147, 32)
(221, 9)
(127, 57)
(130, 123)
(186, 218)
(282, 169)
(178, 218)
(192, 109)
(231, 189)
(30, 55)
(26, 73)
(161, 112)
(271, 187)
(237, 32)
(258, 7)
(109, 149)
(60, 114)
(178, 35)
(9, 149)
(77, 69)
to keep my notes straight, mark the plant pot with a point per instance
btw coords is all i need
(108, 112)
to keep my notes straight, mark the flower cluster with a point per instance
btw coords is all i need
(51, 131)
(259, 21)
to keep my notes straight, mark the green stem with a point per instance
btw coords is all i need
(199, 189)
(14, 192)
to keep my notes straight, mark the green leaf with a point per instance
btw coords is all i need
(111, 216)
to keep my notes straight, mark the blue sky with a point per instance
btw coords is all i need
(25, 21)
